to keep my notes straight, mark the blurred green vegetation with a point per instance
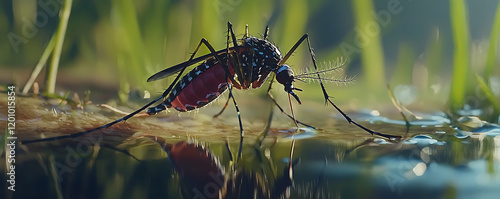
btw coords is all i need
(114, 46)
(461, 62)
(445, 52)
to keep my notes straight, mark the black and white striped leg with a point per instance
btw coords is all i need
(225, 105)
(230, 33)
(325, 94)
(151, 111)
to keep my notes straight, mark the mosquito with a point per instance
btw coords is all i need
(246, 64)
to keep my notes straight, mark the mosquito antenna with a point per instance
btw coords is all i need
(300, 80)
(331, 67)
(318, 72)
(344, 80)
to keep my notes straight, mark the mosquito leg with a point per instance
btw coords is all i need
(225, 105)
(246, 31)
(226, 69)
(237, 67)
(325, 94)
(120, 111)
(229, 150)
(242, 133)
(266, 32)
(95, 129)
(268, 126)
(150, 110)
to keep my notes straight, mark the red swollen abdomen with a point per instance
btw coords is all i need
(203, 89)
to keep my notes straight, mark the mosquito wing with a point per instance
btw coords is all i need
(174, 69)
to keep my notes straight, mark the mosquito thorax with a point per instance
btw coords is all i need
(256, 59)
(263, 47)
(263, 53)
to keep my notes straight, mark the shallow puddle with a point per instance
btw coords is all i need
(129, 160)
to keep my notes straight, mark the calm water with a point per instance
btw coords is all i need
(433, 160)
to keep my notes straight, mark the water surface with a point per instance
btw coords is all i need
(435, 159)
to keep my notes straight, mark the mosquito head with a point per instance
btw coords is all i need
(284, 75)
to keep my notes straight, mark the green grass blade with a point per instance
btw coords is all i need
(434, 57)
(131, 54)
(489, 94)
(404, 66)
(59, 35)
(39, 65)
(491, 61)
(398, 106)
(460, 30)
(293, 25)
